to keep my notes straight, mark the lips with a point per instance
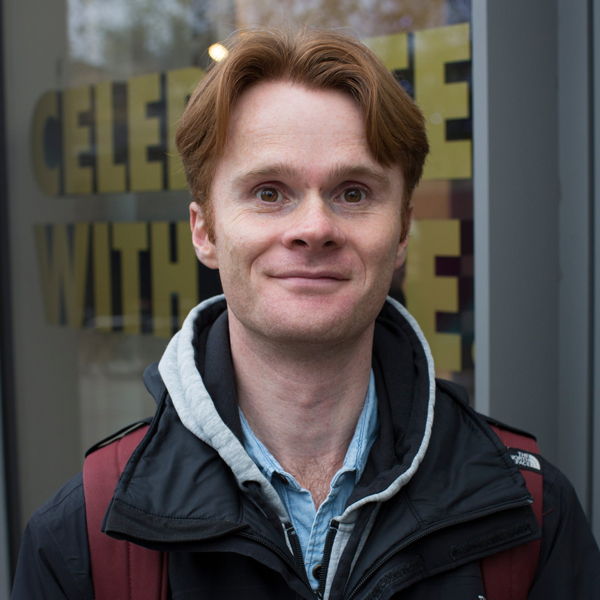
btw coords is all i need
(301, 274)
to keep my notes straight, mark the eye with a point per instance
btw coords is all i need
(353, 195)
(268, 194)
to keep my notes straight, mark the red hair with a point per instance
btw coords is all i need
(313, 58)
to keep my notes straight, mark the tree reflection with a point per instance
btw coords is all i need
(121, 38)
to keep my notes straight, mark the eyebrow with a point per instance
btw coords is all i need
(271, 170)
(352, 171)
(336, 173)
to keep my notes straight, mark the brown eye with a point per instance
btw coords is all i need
(353, 195)
(268, 195)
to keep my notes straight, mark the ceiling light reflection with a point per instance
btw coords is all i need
(218, 52)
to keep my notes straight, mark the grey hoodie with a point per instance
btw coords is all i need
(198, 413)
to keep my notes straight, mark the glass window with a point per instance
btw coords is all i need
(102, 265)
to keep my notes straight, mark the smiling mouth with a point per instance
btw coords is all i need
(301, 275)
(301, 282)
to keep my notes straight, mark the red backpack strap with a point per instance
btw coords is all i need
(120, 570)
(509, 575)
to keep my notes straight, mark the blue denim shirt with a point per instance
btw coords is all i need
(312, 525)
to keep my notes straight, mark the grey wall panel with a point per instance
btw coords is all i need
(596, 274)
(481, 213)
(516, 253)
(533, 232)
(5, 576)
(574, 244)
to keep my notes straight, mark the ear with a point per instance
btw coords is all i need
(205, 249)
(401, 255)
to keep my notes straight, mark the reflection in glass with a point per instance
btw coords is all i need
(140, 45)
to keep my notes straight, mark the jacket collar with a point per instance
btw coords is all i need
(467, 495)
(406, 379)
(187, 480)
(196, 408)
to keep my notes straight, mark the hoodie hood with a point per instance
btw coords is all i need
(403, 440)
(427, 487)
(196, 408)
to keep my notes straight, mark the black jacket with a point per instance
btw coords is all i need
(465, 500)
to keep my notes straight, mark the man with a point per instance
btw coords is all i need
(302, 447)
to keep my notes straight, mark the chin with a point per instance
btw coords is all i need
(314, 336)
(319, 325)
(305, 319)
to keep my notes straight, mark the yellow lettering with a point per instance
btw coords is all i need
(64, 271)
(427, 294)
(130, 239)
(169, 278)
(77, 140)
(111, 176)
(180, 84)
(45, 149)
(102, 281)
(440, 101)
(144, 133)
(392, 49)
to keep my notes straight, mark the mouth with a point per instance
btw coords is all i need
(301, 281)
(311, 275)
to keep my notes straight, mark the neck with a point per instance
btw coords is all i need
(302, 401)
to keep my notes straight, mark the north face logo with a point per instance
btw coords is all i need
(525, 460)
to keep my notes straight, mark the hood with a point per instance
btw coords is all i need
(185, 487)
(405, 390)
(196, 408)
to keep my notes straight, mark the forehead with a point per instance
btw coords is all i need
(282, 102)
(288, 123)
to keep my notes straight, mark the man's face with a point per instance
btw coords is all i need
(306, 222)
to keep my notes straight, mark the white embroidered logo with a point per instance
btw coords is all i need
(524, 459)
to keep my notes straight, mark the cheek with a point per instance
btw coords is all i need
(380, 257)
(239, 251)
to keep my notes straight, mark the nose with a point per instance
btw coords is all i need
(312, 226)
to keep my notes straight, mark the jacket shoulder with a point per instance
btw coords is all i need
(118, 435)
(55, 552)
(458, 392)
(565, 530)
(569, 564)
(501, 425)
(54, 560)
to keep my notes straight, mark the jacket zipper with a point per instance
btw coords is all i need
(377, 566)
(296, 545)
(297, 549)
(333, 528)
